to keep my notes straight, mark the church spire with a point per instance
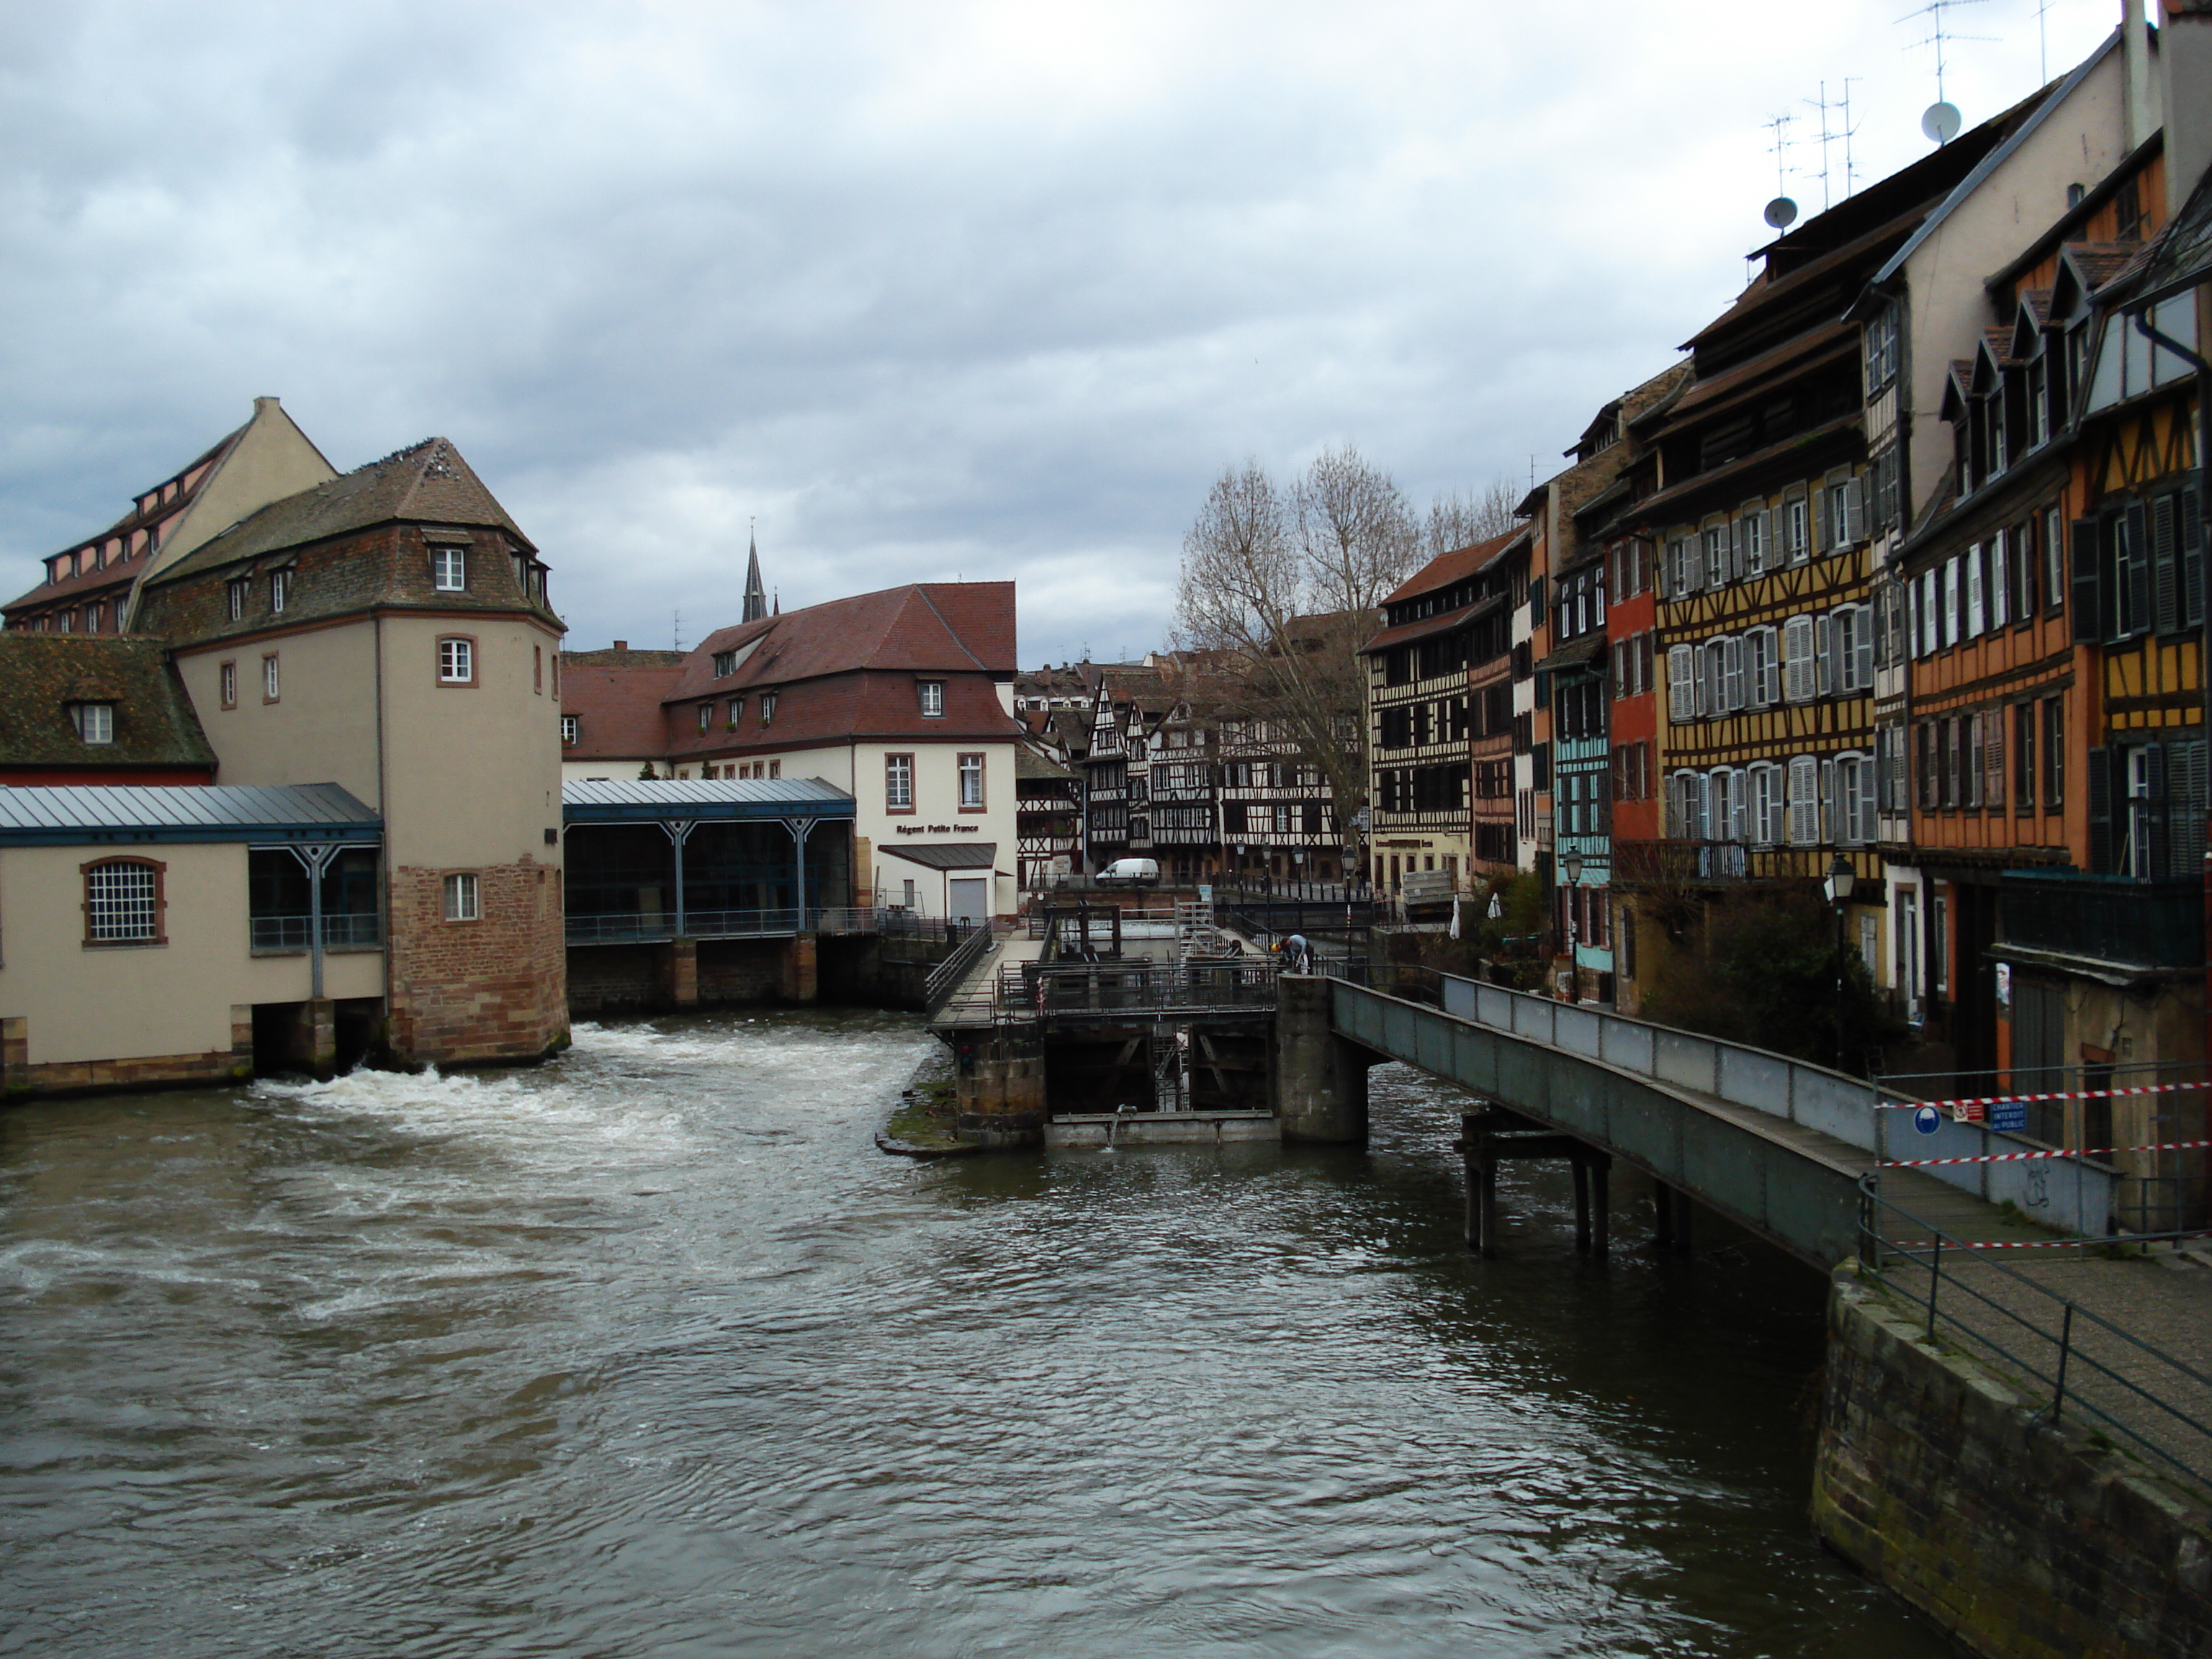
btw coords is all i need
(756, 595)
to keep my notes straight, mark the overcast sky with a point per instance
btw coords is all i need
(931, 290)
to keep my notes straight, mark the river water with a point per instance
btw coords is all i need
(650, 1352)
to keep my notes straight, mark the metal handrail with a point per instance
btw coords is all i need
(947, 976)
(296, 933)
(776, 922)
(1025, 992)
(1931, 1245)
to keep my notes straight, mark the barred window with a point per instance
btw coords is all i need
(123, 903)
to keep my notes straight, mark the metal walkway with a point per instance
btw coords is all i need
(1776, 1146)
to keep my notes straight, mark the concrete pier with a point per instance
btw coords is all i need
(1321, 1079)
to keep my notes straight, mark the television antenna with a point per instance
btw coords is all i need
(1781, 212)
(1941, 120)
(1839, 132)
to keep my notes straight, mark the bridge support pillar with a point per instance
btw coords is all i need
(801, 979)
(1321, 1079)
(1489, 1136)
(683, 972)
(1000, 1089)
(1671, 1218)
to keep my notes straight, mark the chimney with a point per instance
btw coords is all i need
(2184, 68)
(622, 645)
(2142, 83)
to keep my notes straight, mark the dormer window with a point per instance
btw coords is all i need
(705, 715)
(768, 707)
(95, 722)
(449, 569)
(279, 590)
(726, 664)
(932, 699)
(237, 599)
(737, 710)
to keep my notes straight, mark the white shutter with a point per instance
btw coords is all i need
(1854, 496)
(1820, 510)
(1732, 674)
(1681, 692)
(1974, 613)
(1737, 829)
(1804, 802)
(2000, 580)
(1862, 650)
(1739, 549)
(1827, 801)
(1824, 657)
(1694, 563)
(1770, 668)
(1797, 658)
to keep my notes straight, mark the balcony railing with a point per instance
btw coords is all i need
(1029, 991)
(2143, 924)
(347, 933)
(773, 923)
(1667, 861)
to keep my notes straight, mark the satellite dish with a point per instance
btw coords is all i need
(1940, 122)
(1782, 213)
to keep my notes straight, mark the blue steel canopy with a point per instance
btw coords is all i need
(655, 801)
(82, 814)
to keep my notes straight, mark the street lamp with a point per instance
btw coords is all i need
(1571, 863)
(1839, 889)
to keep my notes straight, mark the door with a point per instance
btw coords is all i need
(970, 898)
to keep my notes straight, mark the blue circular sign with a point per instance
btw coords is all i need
(1928, 1120)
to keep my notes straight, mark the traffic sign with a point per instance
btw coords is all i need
(1927, 1119)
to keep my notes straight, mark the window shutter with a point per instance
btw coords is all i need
(1827, 801)
(1999, 582)
(1818, 506)
(1739, 545)
(1732, 674)
(1762, 525)
(1976, 612)
(1862, 651)
(2136, 603)
(1701, 683)
(2185, 812)
(1804, 802)
(1855, 509)
(1694, 563)
(2190, 534)
(1993, 752)
(1824, 656)
(2088, 584)
(2165, 565)
(2101, 811)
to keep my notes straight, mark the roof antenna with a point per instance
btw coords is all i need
(675, 628)
(1941, 120)
(1831, 134)
(1781, 212)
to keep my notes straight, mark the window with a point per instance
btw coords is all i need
(457, 661)
(932, 699)
(1767, 807)
(1751, 541)
(971, 783)
(94, 617)
(2054, 562)
(123, 903)
(706, 716)
(236, 594)
(572, 726)
(726, 664)
(1804, 801)
(735, 710)
(449, 569)
(1763, 668)
(2023, 757)
(271, 685)
(768, 707)
(538, 669)
(898, 783)
(95, 722)
(2054, 753)
(463, 902)
(280, 589)
(227, 679)
(1682, 684)
(1796, 525)
(1718, 554)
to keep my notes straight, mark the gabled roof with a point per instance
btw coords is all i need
(2037, 108)
(41, 674)
(618, 705)
(947, 628)
(1455, 566)
(2182, 255)
(426, 483)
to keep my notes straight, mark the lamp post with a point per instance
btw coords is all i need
(1571, 865)
(1839, 889)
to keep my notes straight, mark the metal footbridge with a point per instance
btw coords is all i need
(1778, 1146)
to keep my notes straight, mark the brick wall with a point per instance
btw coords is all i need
(469, 993)
(2022, 1540)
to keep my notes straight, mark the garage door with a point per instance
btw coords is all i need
(971, 898)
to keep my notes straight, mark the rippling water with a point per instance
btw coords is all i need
(651, 1352)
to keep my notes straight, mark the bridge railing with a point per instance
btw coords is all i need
(1847, 1108)
(1030, 992)
(946, 978)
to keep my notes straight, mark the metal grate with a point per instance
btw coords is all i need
(119, 903)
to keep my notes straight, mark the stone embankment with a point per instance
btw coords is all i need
(1946, 1480)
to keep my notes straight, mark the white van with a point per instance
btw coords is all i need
(1131, 872)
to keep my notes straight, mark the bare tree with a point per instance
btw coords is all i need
(1456, 521)
(1278, 591)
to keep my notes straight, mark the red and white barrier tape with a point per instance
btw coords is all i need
(2020, 1243)
(2019, 1158)
(1954, 1106)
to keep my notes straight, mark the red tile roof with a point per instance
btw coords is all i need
(925, 626)
(1448, 568)
(618, 708)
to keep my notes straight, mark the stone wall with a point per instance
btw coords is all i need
(2023, 1539)
(474, 993)
(21, 1078)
